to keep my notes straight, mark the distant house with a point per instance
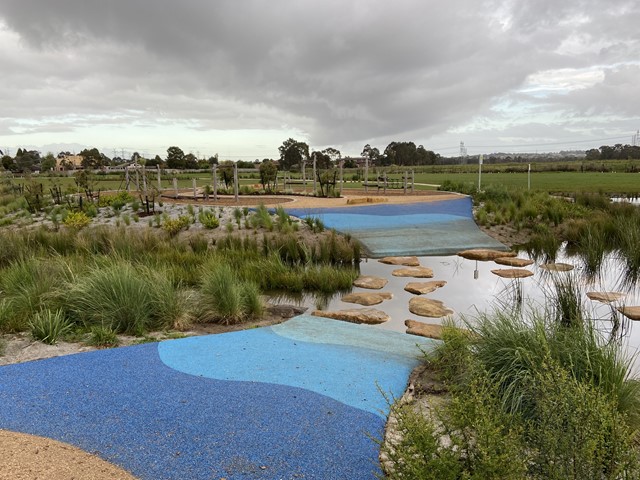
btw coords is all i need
(68, 162)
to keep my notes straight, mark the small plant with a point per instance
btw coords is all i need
(208, 219)
(103, 337)
(76, 220)
(48, 326)
(173, 226)
(126, 219)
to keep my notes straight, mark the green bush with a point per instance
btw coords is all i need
(76, 220)
(48, 326)
(173, 226)
(208, 219)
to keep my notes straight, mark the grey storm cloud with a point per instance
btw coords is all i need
(339, 70)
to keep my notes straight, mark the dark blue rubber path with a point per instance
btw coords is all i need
(132, 409)
(442, 227)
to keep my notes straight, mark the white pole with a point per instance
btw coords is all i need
(480, 159)
(529, 178)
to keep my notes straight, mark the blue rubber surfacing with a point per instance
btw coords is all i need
(298, 400)
(441, 227)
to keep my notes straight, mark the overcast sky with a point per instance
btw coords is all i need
(237, 77)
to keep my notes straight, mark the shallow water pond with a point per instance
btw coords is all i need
(472, 288)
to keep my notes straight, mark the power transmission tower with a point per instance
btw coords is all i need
(463, 153)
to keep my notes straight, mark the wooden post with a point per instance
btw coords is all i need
(405, 182)
(159, 180)
(175, 186)
(235, 180)
(126, 175)
(413, 180)
(366, 174)
(304, 176)
(384, 179)
(144, 181)
(215, 182)
(195, 190)
(137, 180)
(341, 175)
(314, 175)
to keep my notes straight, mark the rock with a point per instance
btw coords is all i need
(367, 298)
(512, 272)
(416, 272)
(369, 316)
(513, 261)
(606, 297)
(557, 267)
(405, 261)
(427, 307)
(419, 288)
(632, 313)
(429, 330)
(484, 254)
(371, 282)
(286, 311)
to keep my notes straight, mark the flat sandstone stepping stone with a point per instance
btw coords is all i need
(427, 307)
(367, 298)
(513, 261)
(632, 313)
(428, 330)
(416, 272)
(369, 316)
(419, 288)
(605, 297)
(371, 282)
(484, 254)
(405, 261)
(512, 272)
(557, 267)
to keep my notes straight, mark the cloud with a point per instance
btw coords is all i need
(341, 72)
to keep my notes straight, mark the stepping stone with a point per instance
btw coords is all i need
(484, 254)
(371, 282)
(606, 297)
(427, 307)
(405, 261)
(632, 313)
(416, 272)
(512, 272)
(513, 261)
(557, 267)
(418, 288)
(428, 330)
(370, 316)
(367, 298)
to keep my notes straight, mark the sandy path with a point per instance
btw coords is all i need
(37, 458)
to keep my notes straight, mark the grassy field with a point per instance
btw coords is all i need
(612, 182)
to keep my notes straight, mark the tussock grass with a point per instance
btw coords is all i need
(49, 326)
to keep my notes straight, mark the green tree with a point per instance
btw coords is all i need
(268, 174)
(323, 161)
(175, 157)
(293, 153)
(92, 158)
(48, 162)
(372, 153)
(190, 161)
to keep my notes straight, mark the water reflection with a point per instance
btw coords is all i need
(472, 289)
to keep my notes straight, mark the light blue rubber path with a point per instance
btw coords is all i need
(297, 400)
(442, 227)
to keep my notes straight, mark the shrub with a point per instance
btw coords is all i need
(76, 220)
(48, 326)
(208, 219)
(173, 226)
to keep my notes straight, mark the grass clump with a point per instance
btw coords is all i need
(103, 337)
(530, 397)
(225, 298)
(49, 326)
(208, 219)
(76, 220)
